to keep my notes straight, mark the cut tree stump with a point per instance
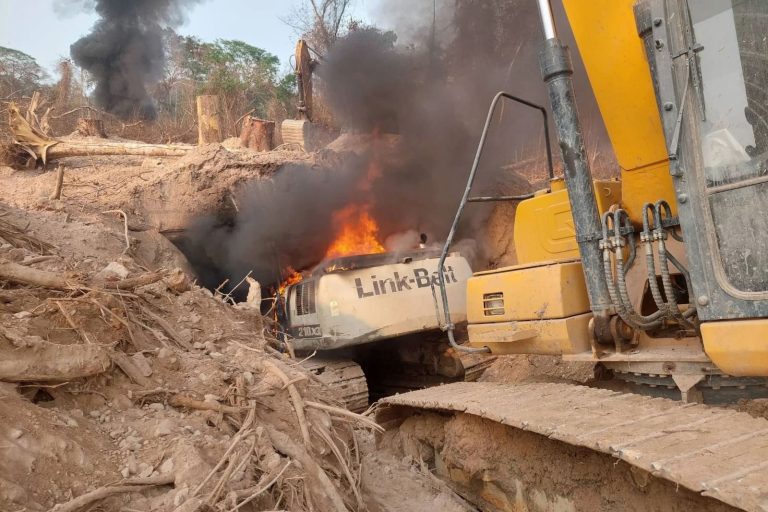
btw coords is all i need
(208, 119)
(91, 128)
(257, 134)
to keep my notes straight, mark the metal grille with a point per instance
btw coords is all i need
(493, 304)
(305, 298)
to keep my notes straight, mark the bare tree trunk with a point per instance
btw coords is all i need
(89, 148)
(257, 134)
(208, 119)
(91, 128)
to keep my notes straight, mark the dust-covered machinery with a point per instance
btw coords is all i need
(363, 299)
(375, 315)
(660, 277)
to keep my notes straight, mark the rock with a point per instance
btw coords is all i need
(181, 496)
(22, 314)
(122, 403)
(185, 335)
(142, 363)
(249, 379)
(210, 346)
(133, 467)
(164, 428)
(178, 281)
(72, 423)
(166, 467)
(114, 270)
(156, 406)
(132, 443)
(125, 472)
(15, 433)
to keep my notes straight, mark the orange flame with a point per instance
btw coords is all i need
(293, 278)
(357, 233)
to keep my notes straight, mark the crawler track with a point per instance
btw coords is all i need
(717, 452)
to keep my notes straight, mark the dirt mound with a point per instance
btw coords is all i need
(535, 368)
(125, 385)
(157, 193)
(521, 470)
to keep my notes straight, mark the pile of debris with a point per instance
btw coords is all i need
(125, 384)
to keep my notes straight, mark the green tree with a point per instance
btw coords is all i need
(244, 76)
(20, 74)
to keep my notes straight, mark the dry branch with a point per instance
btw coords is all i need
(325, 494)
(17, 237)
(348, 414)
(106, 491)
(16, 273)
(298, 402)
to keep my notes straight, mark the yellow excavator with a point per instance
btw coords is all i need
(297, 132)
(660, 277)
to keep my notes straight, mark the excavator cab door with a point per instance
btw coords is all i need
(711, 66)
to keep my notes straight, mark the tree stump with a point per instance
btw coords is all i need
(208, 119)
(257, 134)
(91, 128)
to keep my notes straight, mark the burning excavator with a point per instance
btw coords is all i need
(372, 314)
(660, 277)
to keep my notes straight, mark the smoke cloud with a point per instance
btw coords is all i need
(421, 106)
(124, 51)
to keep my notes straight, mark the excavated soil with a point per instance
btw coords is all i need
(123, 386)
(158, 193)
(510, 469)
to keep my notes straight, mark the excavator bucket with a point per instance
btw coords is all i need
(296, 133)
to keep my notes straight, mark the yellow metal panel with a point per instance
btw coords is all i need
(544, 225)
(618, 71)
(617, 66)
(550, 337)
(648, 184)
(738, 347)
(530, 292)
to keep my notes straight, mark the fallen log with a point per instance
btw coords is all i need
(15, 153)
(21, 274)
(31, 142)
(48, 362)
(64, 149)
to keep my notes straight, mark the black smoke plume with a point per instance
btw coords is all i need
(124, 51)
(421, 103)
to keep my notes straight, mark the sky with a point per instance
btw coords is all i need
(45, 34)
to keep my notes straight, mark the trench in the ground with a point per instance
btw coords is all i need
(501, 468)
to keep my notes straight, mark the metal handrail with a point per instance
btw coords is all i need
(448, 325)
